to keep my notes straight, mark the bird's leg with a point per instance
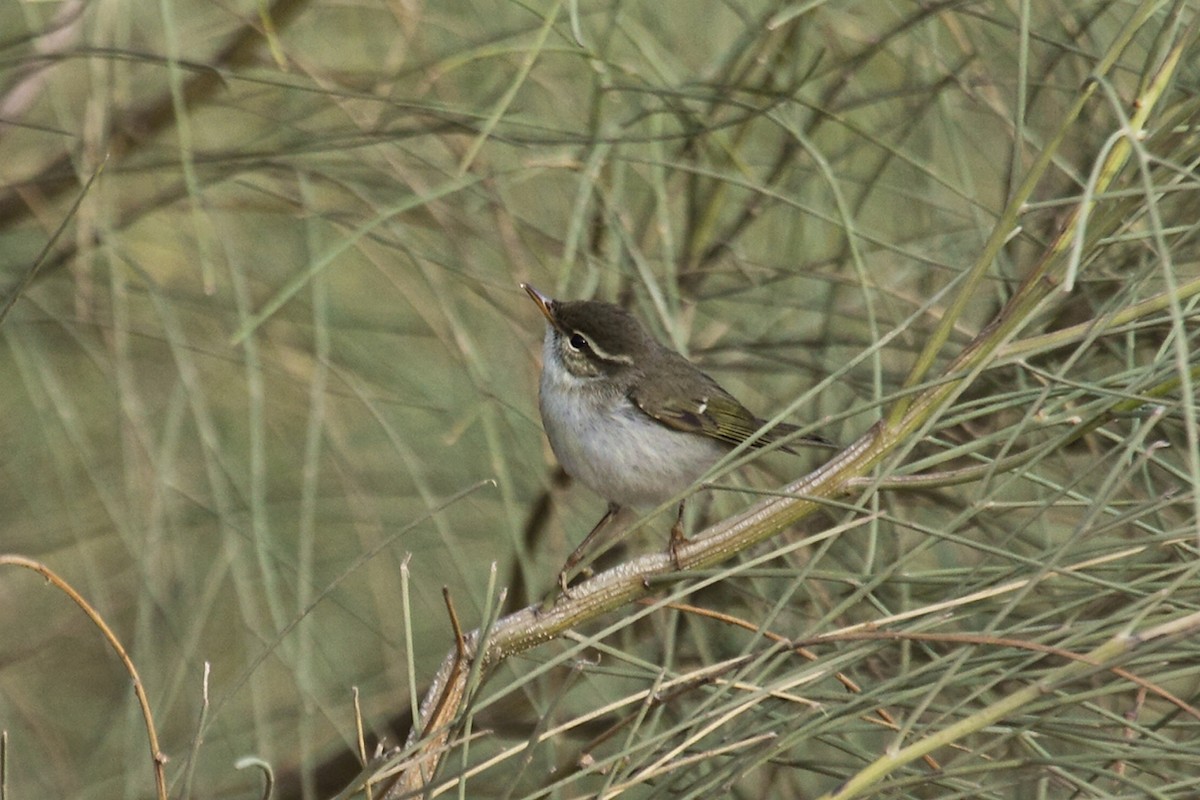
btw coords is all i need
(580, 552)
(677, 537)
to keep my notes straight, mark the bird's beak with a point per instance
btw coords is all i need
(545, 304)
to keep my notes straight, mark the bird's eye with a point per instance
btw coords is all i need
(578, 342)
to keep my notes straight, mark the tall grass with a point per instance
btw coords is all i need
(271, 396)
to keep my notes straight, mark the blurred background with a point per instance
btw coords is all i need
(264, 346)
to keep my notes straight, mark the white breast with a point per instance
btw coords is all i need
(606, 443)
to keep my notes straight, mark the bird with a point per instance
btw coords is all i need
(632, 419)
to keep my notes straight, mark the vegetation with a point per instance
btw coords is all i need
(270, 398)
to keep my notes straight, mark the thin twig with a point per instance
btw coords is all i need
(157, 757)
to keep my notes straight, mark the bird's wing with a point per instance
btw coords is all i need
(711, 412)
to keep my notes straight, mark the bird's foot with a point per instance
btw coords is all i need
(678, 539)
(563, 588)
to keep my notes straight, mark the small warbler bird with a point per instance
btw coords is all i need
(630, 418)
